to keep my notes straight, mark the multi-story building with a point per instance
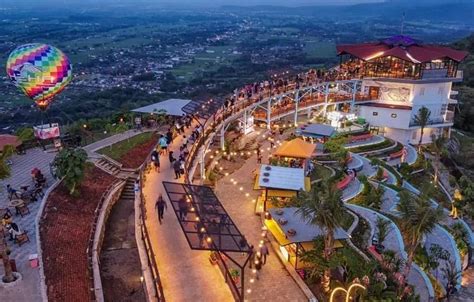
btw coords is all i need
(402, 75)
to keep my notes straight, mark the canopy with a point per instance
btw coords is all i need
(316, 130)
(296, 148)
(285, 219)
(170, 107)
(284, 178)
(7, 139)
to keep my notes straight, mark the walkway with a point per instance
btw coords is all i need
(187, 275)
(275, 283)
(412, 155)
(120, 267)
(29, 288)
(394, 242)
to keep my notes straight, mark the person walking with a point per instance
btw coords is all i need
(163, 142)
(155, 158)
(170, 155)
(264, 252)
(183, 209)
(258, 265)
(136, 186)
(169, 136)
(252, 256)
(160, 206)
(177, 169)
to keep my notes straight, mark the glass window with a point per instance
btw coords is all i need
(393, 115)
(375, 113)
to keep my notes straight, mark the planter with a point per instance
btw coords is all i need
(18, 278)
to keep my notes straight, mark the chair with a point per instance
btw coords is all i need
(23, 210)
(22, 238)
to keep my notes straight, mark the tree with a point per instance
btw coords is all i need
(4, 155)
(70, 165)
(438, 146)
(375, 197)
(451, 274)
(25, 134)
(417, 218)
(422, 119)
(335, 146)
(4, 251)
(323, 207)
(382, 227)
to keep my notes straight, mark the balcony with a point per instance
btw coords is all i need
(449, 119)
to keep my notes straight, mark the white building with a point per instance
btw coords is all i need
(403, 76)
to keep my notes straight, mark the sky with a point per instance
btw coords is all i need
(205, 2)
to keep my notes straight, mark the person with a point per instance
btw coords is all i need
(252, 256)
(258, 265)
(264, 252)
(7, 218)
(12, 192)
(163, 144)
(181, 166)
(169, 137)
(200, 230)
(160, 206)
(170, 156)
(14, 230)
(136, 186)
(183, 209)
(155, 157)
(177, 168)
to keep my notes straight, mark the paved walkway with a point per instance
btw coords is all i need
(29, 288)
(275, 283)
(412, 155)
(372, 141)
(187, 275)
(394, 242)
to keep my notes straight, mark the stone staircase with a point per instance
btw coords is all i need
(128, 192)
(108, 165)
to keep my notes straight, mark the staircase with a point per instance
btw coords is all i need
(128, 192)
(108, 166)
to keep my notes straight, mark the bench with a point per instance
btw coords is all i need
(396, 154)
(361, 137)
(344, 183)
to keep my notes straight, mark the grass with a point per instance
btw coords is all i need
(320, 172)
(378, 146)
(118, 150)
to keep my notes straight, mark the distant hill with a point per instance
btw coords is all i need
(458, 11)
(465, 116)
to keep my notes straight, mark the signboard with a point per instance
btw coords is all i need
(47, 131)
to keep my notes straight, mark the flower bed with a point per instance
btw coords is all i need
(131, 153)
(64, 231)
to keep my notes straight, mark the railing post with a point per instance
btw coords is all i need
(223, 138)
(326, 98)
(201, 164)
(269, 112)
(354, 91)
(297, 100)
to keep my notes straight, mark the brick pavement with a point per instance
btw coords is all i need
(29, 288)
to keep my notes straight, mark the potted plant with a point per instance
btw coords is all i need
(235, 275)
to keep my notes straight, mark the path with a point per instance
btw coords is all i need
(275, 283)
(395, 243)
(29, 288)
(186, 275)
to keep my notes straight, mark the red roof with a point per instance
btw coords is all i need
(401, 47)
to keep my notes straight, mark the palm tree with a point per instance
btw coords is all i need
(451, 274)
(323, 207)
(422, 119)
(438, 146)
(417, 218)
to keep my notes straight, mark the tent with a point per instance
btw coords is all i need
(170, 107)
(296, 148)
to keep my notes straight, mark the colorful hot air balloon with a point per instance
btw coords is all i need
(41, 71)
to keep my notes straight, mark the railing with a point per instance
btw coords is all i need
(90, 244)
(157, 285)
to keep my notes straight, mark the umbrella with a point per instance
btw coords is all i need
(7, 139)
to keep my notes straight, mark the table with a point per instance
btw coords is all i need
(16, 203)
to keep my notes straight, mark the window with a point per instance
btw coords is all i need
(422, 91)
(375, 113)
(393, 115)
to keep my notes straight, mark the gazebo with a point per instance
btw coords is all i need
(296, 149)
(280, 182)
(295, 235)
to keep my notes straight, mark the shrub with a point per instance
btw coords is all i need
(70, 164)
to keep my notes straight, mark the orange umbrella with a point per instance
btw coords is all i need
(7, 139)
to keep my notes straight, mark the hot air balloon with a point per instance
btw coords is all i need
(41, 71)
